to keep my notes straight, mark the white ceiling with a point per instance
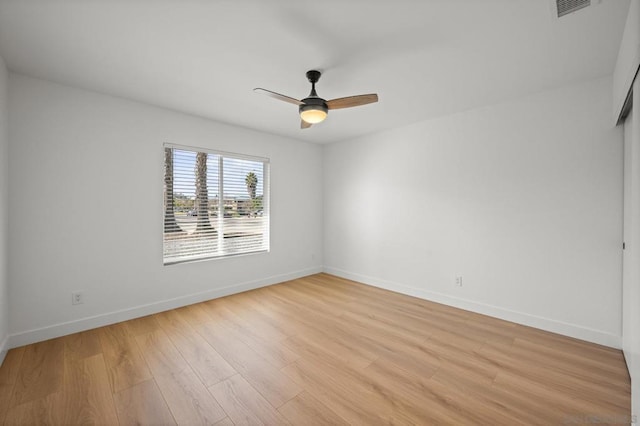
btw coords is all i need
(424, 58)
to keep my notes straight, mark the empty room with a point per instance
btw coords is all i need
(357, 212)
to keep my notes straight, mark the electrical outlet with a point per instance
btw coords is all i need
(459, 281)
(77, 298)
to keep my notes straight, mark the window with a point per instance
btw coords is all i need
(215, 204)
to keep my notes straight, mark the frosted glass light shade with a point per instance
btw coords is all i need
(313, 116)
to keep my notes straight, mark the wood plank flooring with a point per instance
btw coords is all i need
(313, 351)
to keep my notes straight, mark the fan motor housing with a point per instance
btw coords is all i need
(313, 103)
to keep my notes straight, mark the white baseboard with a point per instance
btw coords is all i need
(62, 329)
(554, 326)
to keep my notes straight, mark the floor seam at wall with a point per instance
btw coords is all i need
(4, 348)
(61, 329)
(87, 323)
(547, 324)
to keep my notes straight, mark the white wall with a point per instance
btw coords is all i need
(631, 270)
(523, 199)
(4, 211)
(628, 59)
(86, 210)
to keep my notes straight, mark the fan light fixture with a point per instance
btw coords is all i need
(313, 114)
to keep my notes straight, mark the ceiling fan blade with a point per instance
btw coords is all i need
(304, 124)
(352, 101)
(278, 96)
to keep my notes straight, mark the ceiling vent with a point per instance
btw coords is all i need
(565, 7)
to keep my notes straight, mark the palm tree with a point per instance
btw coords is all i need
(251, 180)
(202, 194)
(170, 224)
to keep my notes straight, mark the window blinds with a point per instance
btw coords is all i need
(215, 204)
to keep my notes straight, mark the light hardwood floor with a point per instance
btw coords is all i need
(317, 350)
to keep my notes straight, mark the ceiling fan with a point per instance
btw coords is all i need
(313, 109)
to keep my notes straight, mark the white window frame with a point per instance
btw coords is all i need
(220, 222)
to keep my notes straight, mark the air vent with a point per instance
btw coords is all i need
(565, 7)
